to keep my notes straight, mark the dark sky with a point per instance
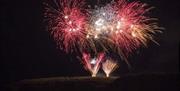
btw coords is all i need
(27, 50)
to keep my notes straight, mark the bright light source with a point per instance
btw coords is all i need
(122, 19)
(133, 34)
(99, 22)
(65, 16)
(132, 26)
(104, 14)
(70, 22)
(120, 31)
(118, 25)
(112, 28)
(93, 61)
(96, 36)
(74, 29)
(87, 36)
(98, 29)
(104, 27)
(117, 32)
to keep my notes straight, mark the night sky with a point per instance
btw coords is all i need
(28, 51)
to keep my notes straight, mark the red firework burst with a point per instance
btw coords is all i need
(67, 23)
(135, 28)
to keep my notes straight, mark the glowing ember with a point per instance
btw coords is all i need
(109, 66)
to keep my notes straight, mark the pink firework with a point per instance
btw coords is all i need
(122, 26)
(67, 23)
(134, 28)
(119, 26)
(92, 65)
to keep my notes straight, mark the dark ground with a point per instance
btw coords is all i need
(138, 82)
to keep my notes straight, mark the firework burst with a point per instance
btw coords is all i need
(67, 22)
(119, 26)
(135, 28)
(109, 66)
(122, 26)
(92, 65)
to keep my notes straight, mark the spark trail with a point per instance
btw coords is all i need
(92, 65)
(109, 66)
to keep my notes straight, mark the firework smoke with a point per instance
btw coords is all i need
(92, 65)
(109, 66)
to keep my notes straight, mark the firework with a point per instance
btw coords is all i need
(122, 26)
(109, 66)
(92, 65)
(67, 22)
(119, 26)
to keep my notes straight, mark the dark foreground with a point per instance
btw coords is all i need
(141, 82)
